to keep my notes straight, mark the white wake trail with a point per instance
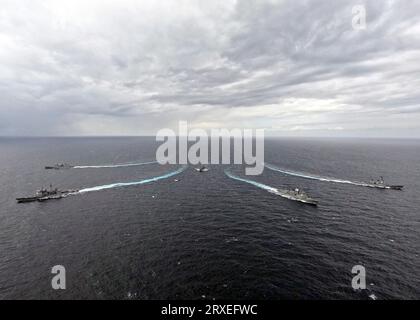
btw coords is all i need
(254, 183)
(313, 177)
(115, 165)
(279, 192)
(128, 184)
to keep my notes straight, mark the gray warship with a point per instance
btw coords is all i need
(202, 169)
(59, 166)
(47, 194)
(300, 196)
(380, 184)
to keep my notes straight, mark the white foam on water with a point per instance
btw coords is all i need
(313, 177)
(116, 165)
(257, 184)
(270, 189)
(128, 184)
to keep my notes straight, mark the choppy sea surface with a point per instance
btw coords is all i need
(146, 231)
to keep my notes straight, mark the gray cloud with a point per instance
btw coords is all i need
(133, 67)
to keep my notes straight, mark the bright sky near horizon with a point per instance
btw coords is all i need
(292, 67)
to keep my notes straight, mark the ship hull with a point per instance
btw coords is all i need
(385, 187)
(25, 200)
(396, 187)
(308, 201)
(311, 203)
(57, 196)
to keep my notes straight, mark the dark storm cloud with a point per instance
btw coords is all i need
(133, 67)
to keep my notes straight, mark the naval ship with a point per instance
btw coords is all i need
(380, 184)
(45, 195)
(59, 166)
(300, 196)
(202, 169)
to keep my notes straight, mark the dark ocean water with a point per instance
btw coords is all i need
(206, 235)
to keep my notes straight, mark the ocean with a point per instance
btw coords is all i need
(146, 231)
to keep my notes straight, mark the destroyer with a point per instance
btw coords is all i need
(380, 184)
(59, 166)
(44, 195)
(299, 195)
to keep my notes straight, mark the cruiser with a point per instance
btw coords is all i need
(380, 184)
(299, 195)
(59, 166)
(44, 195)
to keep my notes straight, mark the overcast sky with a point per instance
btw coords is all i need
(133, 67)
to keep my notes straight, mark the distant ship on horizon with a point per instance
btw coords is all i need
(59, 166)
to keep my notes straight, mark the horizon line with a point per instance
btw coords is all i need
(177, 136)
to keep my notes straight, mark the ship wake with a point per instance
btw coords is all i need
(279, 192)
(313, 177)
(116, 165)
(135, 183)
